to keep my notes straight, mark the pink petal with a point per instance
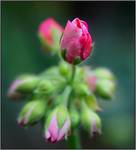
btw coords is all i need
(71, 34)
(53, 128)
(64, 130)
(47, 134)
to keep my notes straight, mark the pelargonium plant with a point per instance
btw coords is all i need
(64, 97)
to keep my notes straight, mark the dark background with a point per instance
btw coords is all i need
(111, 25)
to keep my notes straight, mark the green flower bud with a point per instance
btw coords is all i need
(64, 69)
(81, 90)
(103, 73)
(45, 87)
(90, 121)
(32, 112)
(27, 83)
(105, 88)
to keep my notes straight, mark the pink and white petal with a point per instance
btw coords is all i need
(53, 128)
(47, 135)
(64, 130)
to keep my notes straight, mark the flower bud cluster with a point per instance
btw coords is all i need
(64, 96)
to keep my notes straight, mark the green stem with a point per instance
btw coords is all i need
(66, 94)
(73, 73)
(74, 140)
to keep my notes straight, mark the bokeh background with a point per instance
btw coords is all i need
(111, 25)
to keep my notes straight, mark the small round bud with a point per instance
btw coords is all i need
(64, 69)
(105, 88)
(32, 112)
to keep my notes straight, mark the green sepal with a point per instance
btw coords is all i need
(92, 103)
(45, 45)
(32, 111)
(62, 115)
(81, 90)
(45, 87)
(28, 84)
(48, 118)
(77, 60)
(56, 35)
(63, 53)
(88, 117)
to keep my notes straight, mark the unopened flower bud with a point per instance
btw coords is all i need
(64, 69)
(44, 87)
(49, 33)
(32, 112)
(76, 42)
(90, 121)
(103, 73)
(57, 124)
(105, 88)
(81, 90)
(12, 92)
(23, 84)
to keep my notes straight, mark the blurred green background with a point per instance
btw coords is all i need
(111, 25)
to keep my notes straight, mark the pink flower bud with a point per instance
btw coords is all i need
(76, 42)
(90, 120)
(57, 128)
(50, 32)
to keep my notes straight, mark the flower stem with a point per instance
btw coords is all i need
(74, 140)
(66, 94)
(73, 73)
